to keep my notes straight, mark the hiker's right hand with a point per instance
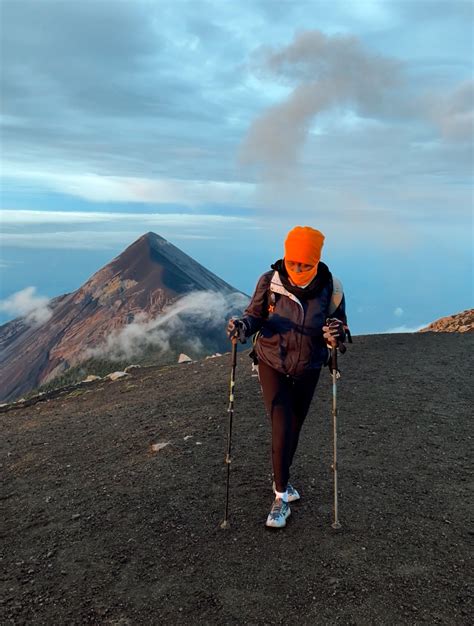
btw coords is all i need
(333, 332)
(236, 330)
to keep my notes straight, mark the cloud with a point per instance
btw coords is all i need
(25, 303)
(405, 329)
(399, 312)
(151, 103)
(98, 188)
(84, 239)
(95, 230)
(121, 41)
(126, 90)
(13, 217)
(70, 240)
(180, 322)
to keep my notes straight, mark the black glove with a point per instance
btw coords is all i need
(236, 329)
(334, 332)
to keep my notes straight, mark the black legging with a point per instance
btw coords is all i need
(287, 402)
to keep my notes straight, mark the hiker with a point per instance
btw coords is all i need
(288, 314)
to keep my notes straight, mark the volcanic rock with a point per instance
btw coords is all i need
(149, 548)
(130, 368)
(116, 375)
(91, 378)
(156, 447)
(459, 323)
(184, 358)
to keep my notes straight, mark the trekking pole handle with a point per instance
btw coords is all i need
(232, 375)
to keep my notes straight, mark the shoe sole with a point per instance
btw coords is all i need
(271, 525)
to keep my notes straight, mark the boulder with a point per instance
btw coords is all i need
(129, 368)
(184, 358)
(116, 375)
(91, 378)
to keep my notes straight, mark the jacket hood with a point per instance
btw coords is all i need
(319, 282)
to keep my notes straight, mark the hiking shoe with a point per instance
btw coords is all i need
(278, 514)
(292, 494)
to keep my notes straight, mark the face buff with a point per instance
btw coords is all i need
(303, 244)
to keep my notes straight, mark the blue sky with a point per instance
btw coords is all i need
(221, 125)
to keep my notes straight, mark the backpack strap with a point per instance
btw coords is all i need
(276, 287)
(271, 302)
(337, 295)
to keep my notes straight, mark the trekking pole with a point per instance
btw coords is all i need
(335, 375)
(230, 410)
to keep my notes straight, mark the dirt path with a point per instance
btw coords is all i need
(97, 528)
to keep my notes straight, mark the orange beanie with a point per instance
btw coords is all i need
(303, 244)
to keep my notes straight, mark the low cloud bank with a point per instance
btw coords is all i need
(187, 322)
(406, 329)
(25, 303)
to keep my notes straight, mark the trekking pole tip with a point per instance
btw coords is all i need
(336, 526)
(225, 525)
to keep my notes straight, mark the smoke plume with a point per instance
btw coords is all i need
(324, 72)
(454, 113)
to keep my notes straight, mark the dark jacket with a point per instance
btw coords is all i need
(290, 320)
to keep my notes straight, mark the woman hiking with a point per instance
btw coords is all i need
(297, 311)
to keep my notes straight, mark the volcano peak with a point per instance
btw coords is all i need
(146, 277)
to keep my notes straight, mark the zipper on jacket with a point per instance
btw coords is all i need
(277, 287)
(301, 339)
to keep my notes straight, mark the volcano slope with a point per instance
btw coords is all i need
(98, 528)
